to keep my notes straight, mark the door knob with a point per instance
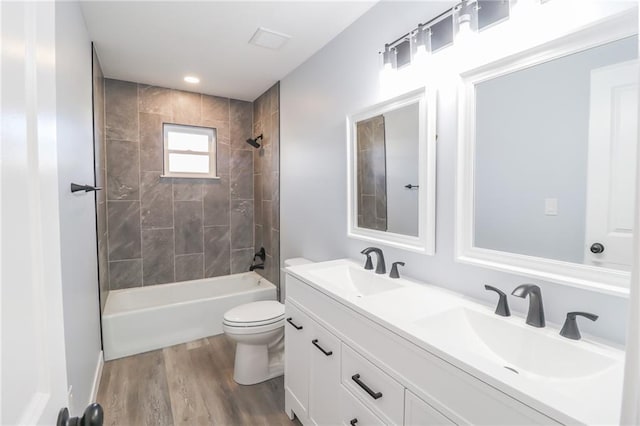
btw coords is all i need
(596, 248)
(86, 188)
(92, 416)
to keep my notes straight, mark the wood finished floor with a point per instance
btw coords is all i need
(189, 384)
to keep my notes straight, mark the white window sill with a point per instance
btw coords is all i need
(191, 176)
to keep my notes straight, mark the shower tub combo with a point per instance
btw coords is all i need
(142, 319)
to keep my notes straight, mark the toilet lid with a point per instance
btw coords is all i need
(255, 312)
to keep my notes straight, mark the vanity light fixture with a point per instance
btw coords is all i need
(440, 32)
(388, 57)
(192, 79)
(422, 39)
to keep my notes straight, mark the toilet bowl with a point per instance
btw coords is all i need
(258, 330)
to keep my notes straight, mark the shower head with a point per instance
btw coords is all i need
(254, 142)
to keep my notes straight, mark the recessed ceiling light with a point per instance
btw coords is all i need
(270, 39)
(191, 79)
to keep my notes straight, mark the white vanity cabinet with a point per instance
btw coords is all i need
(312, 368)
(375, 376)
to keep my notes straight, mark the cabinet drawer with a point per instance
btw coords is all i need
(419, 413)
(373, 386)
(354, 413)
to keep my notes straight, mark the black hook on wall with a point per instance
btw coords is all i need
(86, 188)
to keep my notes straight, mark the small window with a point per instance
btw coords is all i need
(189, 151)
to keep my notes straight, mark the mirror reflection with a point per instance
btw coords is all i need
(555, 150)
(387, 171)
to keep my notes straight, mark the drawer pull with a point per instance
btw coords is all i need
(367, 389)
(297, 327)
(353, 422)
(315, 343)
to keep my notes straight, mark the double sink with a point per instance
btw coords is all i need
(534, 361)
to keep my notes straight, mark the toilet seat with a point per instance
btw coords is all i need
(232, 328)
(265, 315)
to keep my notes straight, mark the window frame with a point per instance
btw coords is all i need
(210, 132)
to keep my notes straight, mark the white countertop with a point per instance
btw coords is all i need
(589, 399)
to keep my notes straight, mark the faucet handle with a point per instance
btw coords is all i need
(502, 308)
(368, 265)
(394, 270)
(570, 328)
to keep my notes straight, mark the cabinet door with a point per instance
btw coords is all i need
(297, 349)
(324, 377)
(419, 413)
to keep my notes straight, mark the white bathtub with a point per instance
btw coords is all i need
(146, 318)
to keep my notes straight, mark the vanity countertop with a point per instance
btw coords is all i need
(570, 381)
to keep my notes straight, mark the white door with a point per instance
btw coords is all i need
(401, 146)
(296, 361)
(613, 139)
(324, 376)
(33, 363)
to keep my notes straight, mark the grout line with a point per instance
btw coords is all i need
(139, 183)
(173, 201)
(106, 179)
(204, 258)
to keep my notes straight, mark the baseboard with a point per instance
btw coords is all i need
(96, 378)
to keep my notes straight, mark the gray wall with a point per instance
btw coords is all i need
(532, 133)
(166, 229)
(342, 78)
(266, 121)
(100, 168)
(75, 156)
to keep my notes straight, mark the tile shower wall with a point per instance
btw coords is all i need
(163, 230)
(100, 177)
(372, 174)
(266, 121)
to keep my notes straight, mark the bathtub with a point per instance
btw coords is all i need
(142, 319)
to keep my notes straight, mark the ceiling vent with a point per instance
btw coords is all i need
(269, 39)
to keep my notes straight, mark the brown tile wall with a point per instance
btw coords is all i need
(162, 230)
(266, 178)
(100, 173)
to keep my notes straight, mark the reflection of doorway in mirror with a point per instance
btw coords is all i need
(401, 136)
(372, 174)
(613, 137)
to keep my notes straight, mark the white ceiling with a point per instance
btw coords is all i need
(160, 42)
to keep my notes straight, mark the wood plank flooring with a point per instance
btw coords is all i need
(189, 384)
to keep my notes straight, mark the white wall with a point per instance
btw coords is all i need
(344, 77)
(401, 152)
(77, 211)
(532, 132)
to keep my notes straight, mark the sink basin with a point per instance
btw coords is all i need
(517, 347)
(349, 280)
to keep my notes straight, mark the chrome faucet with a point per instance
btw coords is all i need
(380, 266)
(535, 316)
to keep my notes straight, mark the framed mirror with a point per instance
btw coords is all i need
(391, 172)
(547, 160)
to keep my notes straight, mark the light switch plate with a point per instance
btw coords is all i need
(551, 206)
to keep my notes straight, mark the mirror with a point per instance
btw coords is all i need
(392, 172)
(547, 165)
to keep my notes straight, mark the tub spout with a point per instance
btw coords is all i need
(258, 266)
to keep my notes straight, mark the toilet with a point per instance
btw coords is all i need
(258, 330)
